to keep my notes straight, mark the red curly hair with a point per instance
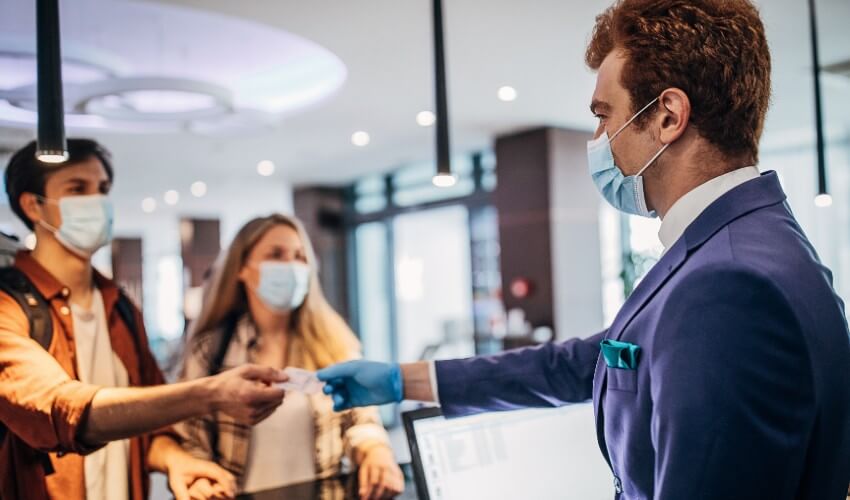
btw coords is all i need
(713, 50)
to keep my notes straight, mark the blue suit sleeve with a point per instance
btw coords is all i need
(542, 376)
(731, 389)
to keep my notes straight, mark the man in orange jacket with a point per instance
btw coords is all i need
(75, 422)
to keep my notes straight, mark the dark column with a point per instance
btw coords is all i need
(321, 209)
(548, 230)
(127, 267)
(522, 199)
(200, 244)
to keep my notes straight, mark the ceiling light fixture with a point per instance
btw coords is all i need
(171, 197)
(360, 139)
(425, 118)
(265, 168)
(52, 146)
(823, 200)
(148, 205)
(199, 189)
(444, 177)
(823, 193)
(126, 77)
(507, 93)
(444, 180)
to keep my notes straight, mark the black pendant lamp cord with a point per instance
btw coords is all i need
(52, 144)
(821, 150)
(440, 94)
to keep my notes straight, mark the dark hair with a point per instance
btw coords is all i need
(713, 50)
(26, 174)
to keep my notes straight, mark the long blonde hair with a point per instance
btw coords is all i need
(321, 332)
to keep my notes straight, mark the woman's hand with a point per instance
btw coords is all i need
(204, 489)
(380, 476)
(185, 472)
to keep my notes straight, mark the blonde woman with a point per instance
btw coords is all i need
(264, 305)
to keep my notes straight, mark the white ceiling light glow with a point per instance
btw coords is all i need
(823, 200)
(265, 168)
(148, 205)
(507, 94)
(444, 180)
(204, 83)
(171, 197)
(151, 99)
(198, 189)
(360, 139)
(426, 118)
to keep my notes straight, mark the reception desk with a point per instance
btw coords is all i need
(341, 488)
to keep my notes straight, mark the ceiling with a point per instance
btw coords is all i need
(536, 47)
(174, 69)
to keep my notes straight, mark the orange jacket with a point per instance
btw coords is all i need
(42, 401)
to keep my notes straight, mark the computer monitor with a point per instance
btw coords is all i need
(535, 453)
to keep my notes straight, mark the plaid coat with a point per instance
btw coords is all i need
(340, 438)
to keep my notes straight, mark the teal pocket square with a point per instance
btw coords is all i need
(621, 355)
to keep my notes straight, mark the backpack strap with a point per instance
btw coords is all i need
(127, 312)
(17, 285)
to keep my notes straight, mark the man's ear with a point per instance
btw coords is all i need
(674, 115)
(31, 207)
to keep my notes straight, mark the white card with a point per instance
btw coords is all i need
(301, 380)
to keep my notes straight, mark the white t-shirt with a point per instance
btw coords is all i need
(107, 469)
(281, 450)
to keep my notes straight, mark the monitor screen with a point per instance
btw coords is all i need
(535, 453)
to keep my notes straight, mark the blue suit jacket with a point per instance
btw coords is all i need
(742, 387)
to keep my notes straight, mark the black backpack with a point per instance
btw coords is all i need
(18, 286)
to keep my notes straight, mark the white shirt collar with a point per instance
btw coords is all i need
(691, 205)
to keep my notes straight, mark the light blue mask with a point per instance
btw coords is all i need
(86, 223)
(283, 285)
(626, 194)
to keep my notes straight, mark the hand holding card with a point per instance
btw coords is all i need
(301, 380)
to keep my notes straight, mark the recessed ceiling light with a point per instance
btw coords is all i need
(148, 205)
(360, 138)
(426, 118)
(265, 168)
(823, 200)
(507, 93)
(171, 197)
(199, 189)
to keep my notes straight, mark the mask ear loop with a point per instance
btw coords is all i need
(49, 227)
(633, 118)
(651, 160)
(41, 222)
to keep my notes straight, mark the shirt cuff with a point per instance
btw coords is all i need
(435, 388)
(70, 409)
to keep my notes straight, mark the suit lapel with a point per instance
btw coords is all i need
(654, 279)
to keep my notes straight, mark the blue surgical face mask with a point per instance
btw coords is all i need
(86, 223)
(626, 194)
(283, 285)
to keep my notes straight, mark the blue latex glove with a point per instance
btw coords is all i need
(362, 383)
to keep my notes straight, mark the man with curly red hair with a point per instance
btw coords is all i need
(725, 374)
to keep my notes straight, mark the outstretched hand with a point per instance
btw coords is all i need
(362, 383)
